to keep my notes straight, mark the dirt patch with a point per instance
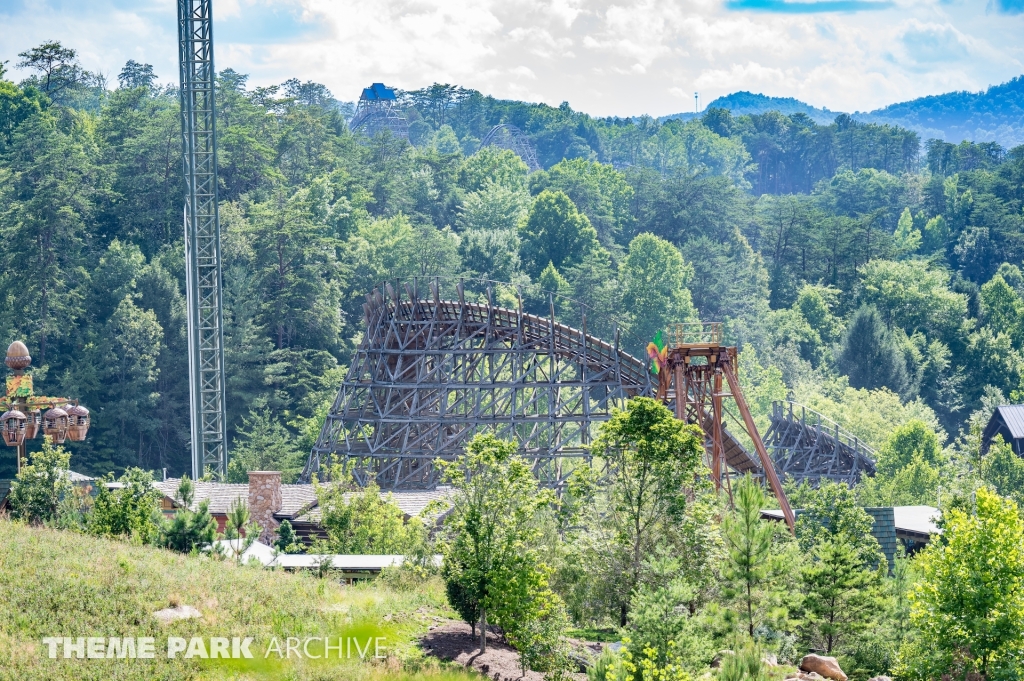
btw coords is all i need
(455, 641)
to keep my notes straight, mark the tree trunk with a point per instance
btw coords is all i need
(483, 630)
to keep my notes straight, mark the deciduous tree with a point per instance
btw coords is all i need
(491, 567)
(968, 606)
(656, 467)
(555, 232)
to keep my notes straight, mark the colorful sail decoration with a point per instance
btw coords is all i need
(657, 350)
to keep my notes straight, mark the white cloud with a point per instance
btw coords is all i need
(607, 57)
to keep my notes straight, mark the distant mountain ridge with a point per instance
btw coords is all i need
(993, 115)
(743, 103)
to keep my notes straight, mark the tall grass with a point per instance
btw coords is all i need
(55, 583)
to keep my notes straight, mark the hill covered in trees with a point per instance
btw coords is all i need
(746, 103)
(993, 115)
(860, 276)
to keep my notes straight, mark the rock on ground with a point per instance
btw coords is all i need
(826, 666)
(178, 612)
(804, 676)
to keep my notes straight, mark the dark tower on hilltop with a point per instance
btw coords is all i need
(378, 111)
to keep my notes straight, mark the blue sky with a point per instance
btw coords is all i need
(606, 57)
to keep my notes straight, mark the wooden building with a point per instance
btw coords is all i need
(1008, 421)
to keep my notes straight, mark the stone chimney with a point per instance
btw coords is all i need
(265, 501)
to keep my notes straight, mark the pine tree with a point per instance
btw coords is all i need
(287, 541)
(870, 356)
(748, 540)
(840, 594)
(189, 530)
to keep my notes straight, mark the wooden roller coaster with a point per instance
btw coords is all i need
(432, 371)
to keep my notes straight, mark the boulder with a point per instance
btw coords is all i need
(804, 676)
(770, 660)
(879, 678)
(826, 666)
(178, 612)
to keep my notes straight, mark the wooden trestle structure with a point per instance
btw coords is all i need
(811, 447)
(431, 372)
(693, 378)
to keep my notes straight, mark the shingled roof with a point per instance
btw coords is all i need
(411, 502)
(294, 498)
(298, 502)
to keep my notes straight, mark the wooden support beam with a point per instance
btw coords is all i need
(717, 448)
(766, 462)
(681, 391)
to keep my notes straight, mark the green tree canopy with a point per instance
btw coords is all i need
(1003, 309)
(654, 277)
(656, 463)
(968, 606)
(364, 521)
(555, 232)
(832, 514)
(491, 566)
(598, 190)
(841, 595)
(16, 105)
(913, 438)
(913, 296)
(870, 356)
(1004, 470)
(130, 511)
(37, 491)
(264, 444)
(494, 207)
(493, 166)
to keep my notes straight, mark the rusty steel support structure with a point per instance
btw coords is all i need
(697, 363)
(430, 373)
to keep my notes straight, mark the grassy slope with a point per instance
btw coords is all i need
(62, 584)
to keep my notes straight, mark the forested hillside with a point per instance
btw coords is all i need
(997, 114)
(842, 258)
(745, 103)
(994, 115)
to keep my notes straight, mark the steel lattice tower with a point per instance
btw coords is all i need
(202, 238)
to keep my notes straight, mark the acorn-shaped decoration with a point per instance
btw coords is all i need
(55, 425)
(33, 424)
(13, 425)
(17, 358)
(78, 423)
